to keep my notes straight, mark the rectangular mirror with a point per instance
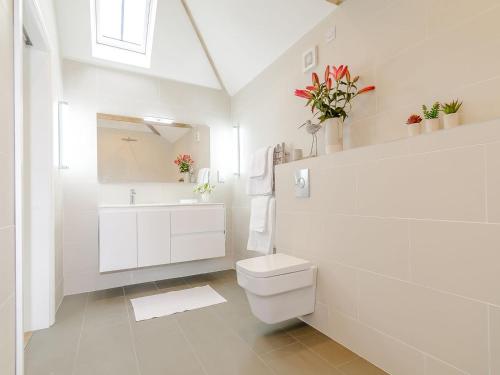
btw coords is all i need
(134, 149)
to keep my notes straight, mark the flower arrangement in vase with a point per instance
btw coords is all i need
(451, 117)
(330, 101)
(431, 117)
(413, 123)
(204, 190)
(185, 163)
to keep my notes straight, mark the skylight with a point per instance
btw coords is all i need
(122, 30)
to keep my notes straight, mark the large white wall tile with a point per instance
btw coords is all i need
(495, 340)
(7, 262)
(451, 328)
(493, 181)
(436, 367)
(388, 353)
(426, 186)
(461, 258)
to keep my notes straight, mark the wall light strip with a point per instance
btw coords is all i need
(236, 152)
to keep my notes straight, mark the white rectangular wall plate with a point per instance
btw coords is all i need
(302, 183)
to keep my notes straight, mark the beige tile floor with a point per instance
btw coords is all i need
(95, 334)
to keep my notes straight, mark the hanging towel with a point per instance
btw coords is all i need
(258, 213)
(263, 185)
(263, 242)
(258, 164)
(203, 176)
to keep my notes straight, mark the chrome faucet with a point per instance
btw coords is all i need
(132, 196)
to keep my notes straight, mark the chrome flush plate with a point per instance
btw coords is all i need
(302, 183)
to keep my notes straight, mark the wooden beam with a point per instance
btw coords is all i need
(203, 44)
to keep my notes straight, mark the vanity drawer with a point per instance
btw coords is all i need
(198, 220)
(198, 246)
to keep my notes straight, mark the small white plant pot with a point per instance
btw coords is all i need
(205, 197)
(414, 129)
(431, 125)
(451, 121)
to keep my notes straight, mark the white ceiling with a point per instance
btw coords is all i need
(243, 37)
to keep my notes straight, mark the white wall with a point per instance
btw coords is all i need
(414, 51)
(89, 90)
(406, 236)
(7, 229)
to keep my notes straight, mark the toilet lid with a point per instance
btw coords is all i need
(272, 265)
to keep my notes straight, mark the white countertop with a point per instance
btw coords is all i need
(139, 205)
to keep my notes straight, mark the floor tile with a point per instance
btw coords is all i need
(361, 367)
(172, 283)
(105, 312)
(296, 359)
(108, 351)
(140, 290)
(220, 350)
(328, 349)
(162, 349)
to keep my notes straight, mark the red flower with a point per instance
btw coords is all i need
(303, 94)
(347, 74)
(329, 84)
(311, 88)
(315, 79)
(366, 89)
(327, 73)
(340, 72)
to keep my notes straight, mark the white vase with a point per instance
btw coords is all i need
(334, 135)
(413, 129)
(451, 121)
(187, 177)
(431, 125)
(205, 197)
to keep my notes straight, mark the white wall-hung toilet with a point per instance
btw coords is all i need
(278, 286)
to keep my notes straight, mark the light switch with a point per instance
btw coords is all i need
(331, 34)
(302, 183)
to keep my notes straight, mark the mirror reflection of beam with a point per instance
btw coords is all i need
(140, 121)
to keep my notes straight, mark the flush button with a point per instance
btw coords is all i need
(302, 183)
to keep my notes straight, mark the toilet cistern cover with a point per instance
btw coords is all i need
(272, 265)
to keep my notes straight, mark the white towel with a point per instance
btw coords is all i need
(263, 185)
(258, 213)
(203, 176)
(263, 242)
(258, 163)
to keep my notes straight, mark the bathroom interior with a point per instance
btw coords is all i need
(226, 187)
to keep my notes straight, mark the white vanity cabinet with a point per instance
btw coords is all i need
(151, 235)
(117, 240)
(198, 233)
(153, 238)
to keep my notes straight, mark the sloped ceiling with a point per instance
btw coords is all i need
(242, 37)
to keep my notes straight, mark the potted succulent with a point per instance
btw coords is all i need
(451, 117)
(431, 117)
(413, 123)
(185, 164)
(330, 100)
(204, 190)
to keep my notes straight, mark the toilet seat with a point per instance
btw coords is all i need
(272, 265)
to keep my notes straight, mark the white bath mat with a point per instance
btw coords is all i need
(174, 302)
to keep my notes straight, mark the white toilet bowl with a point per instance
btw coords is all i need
(278, 286)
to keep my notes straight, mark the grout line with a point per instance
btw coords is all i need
(368, 216)
(191, 346)
(409, 254)
(489, 340)
(485, 155)
(132, 335)
(77, 352)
